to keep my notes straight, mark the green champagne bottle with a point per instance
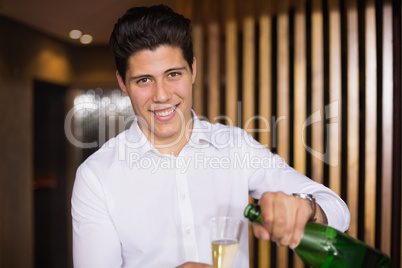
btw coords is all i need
(323, 246)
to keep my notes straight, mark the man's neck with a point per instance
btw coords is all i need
(172, 145)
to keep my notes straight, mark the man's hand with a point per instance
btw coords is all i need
(284, 218)
(194, 265)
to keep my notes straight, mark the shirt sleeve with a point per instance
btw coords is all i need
(95, 241)
(272, 174)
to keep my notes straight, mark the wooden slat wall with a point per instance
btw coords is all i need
(396, 249)
(265, 76)
(213, 62)
(199, 50)
(335, 99)
(319, 83)
(353, 114)
(387, 98)
(300, 96)
(231, 61)
(265, 98)
(317, 92)
(371, 123)
(283, 100)
(248, 75)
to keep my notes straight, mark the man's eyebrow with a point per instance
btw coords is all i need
(141, 76)
(175, 69)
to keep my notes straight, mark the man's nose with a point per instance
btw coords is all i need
(161, 92)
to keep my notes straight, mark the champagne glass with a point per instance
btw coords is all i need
(225, 236)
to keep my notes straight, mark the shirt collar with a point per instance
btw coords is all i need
(136, 139)
(201, 135)
(202, 132)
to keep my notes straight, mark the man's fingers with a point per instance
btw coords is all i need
(299, 227)
(287, 236)
(268, 214)
(260, 232)
(283, 225)
(283, 218)
(297, 234)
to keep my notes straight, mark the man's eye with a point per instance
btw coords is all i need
(143, 80)
(174, 74)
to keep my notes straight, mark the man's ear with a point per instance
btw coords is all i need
(194, 74)
(121, 83)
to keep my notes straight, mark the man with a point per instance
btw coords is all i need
(144, 199)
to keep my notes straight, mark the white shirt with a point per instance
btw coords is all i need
(135, 207)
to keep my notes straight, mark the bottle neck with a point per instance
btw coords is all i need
(252, 212)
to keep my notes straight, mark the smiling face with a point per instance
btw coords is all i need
(159, 84)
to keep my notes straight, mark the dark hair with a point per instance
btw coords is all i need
(147, 28)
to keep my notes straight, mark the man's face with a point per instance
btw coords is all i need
(159, 84)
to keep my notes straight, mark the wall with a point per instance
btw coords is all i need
(318, 82)
(25, 55)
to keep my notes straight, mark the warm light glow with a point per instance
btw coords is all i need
(75, 34)
(86, 39)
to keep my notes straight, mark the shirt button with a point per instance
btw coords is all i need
(183, 196)
(188, 231)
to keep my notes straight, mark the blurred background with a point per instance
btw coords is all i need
(316, 81)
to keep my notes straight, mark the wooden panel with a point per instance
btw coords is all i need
(198, 43)
(300, 95)
(399, 104)
(317, 92)
(231, 62)
(184, 7)
(396, 249)
(299, 89)
(213, 61)
(353, 116)
(396, 234)
(283, 115)
(283, 86)
(248, 76)
(371, 124)
(249, 67)
(335, 97)
(265, 79)
(198, 88)
(265, 101)
(387, 118)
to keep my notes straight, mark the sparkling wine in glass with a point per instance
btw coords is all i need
(225, 236)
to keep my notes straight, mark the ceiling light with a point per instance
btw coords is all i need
(75, 34)
(86, 39)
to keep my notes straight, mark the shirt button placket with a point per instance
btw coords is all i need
(187, 219)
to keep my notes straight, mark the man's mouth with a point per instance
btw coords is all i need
(165, 112)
